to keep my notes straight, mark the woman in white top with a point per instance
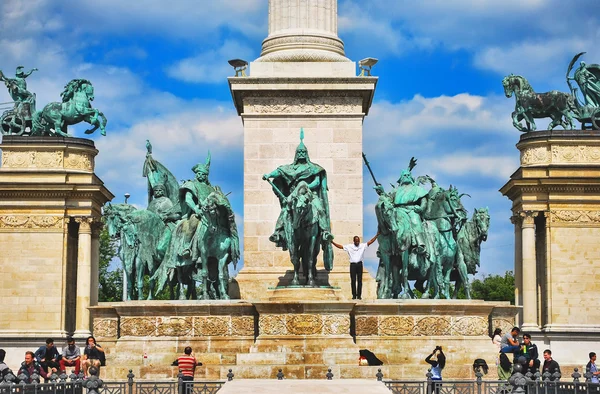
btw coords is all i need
(497, 337)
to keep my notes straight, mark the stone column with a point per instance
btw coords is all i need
(516, 221)
(302, 31)
(95, 262)
(529, 277)
(84, 273)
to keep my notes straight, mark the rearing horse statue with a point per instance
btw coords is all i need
(75, 107)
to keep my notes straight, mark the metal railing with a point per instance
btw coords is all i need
(517, 384)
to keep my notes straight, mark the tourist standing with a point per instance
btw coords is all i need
(550, 365)
(437, 365)
(71, 356)
(592, 369)
(356, 251)
(187, 365)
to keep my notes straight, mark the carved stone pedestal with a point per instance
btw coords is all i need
(556, 213)
(303, 339)
(50, 202)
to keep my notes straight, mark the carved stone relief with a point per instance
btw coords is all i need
(79, 161)
(242, 325)
(32, 222)
(421, 326)
(272, 324)
(33, 159)
(575, 216)
(535, 155)
(106, 328)
(174, 326)
(310, 105)
(396, 325)
(304, 324)
(211, 326)
(138, 326)
(336, 325)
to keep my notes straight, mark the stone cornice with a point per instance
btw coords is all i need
(242, 88)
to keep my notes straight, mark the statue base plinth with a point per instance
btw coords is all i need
(305, 293)
(302, 338)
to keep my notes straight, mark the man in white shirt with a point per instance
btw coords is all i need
(356, 251)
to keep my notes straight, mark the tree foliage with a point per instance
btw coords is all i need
(110, 281)
(494, 288)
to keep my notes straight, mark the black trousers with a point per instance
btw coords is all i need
(356, 270)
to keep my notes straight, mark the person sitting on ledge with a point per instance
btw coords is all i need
(71, 356)
(510, 343)
(48, 356)
(92, 355)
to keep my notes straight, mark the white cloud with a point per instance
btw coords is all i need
(422, 115)
(500, 167)
(210, 66)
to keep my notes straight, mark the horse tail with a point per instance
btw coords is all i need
(37, 127)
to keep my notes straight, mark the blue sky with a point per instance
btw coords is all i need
(159, 70)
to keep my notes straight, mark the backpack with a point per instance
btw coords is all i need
(505, 363)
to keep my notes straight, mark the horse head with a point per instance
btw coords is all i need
(116, 217)
(481, 218)
(516, 84)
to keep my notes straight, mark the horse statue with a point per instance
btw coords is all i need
(217, 239)
(558, 106)
(393, 241)
(302, 232)
(139, 254)
(469, 240)
(431, 270)
(75, 108)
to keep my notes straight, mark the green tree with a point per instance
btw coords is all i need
(110, 281)
(494, 288)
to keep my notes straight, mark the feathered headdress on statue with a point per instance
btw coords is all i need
(202, 168)
(411, 164)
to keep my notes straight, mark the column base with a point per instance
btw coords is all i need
(529, 328)
(81, 334)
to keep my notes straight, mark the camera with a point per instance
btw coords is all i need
(438, 348)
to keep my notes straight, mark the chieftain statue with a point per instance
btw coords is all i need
(188, 230)
(303, 226)
(561, 107)
(53, 119)
(424, 236)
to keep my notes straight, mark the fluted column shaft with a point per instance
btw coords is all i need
(529, 278)
(84, 274)
(516, 220)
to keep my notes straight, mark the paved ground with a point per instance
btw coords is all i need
(304, 386)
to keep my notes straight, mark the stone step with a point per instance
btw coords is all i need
(327, 357)
(307, 386)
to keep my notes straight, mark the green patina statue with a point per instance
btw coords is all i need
(195, 239)
(425, 236)
(303, 226)
(561, 107)
(54, 118)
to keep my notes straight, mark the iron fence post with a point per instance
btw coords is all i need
(379, 375)
(230, 376)
(329, 374)
(130, 377)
